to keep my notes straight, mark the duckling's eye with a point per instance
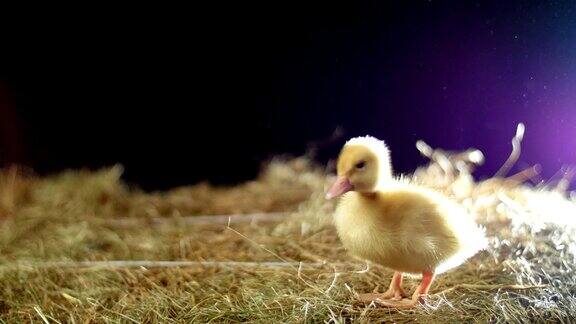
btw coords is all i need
(360, 165)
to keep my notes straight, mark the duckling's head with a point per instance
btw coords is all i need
(363, 165)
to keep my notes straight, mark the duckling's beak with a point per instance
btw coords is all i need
(340, 187)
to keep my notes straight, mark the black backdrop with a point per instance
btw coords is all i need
(179, 95)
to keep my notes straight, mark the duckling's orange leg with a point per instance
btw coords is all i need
(417, 298)
(394, 292)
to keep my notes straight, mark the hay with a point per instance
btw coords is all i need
(65, 258)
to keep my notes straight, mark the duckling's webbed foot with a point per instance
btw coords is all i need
(401, 303)
(371, 297)
(418, 298)
(394, 292)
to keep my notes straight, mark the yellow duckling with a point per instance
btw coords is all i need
(399, 225)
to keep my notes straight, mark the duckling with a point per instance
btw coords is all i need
(402, 226)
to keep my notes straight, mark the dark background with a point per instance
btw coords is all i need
(183, 94)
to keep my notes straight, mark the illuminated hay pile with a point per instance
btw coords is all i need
(289, 268)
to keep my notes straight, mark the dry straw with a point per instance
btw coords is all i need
(81, 246)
